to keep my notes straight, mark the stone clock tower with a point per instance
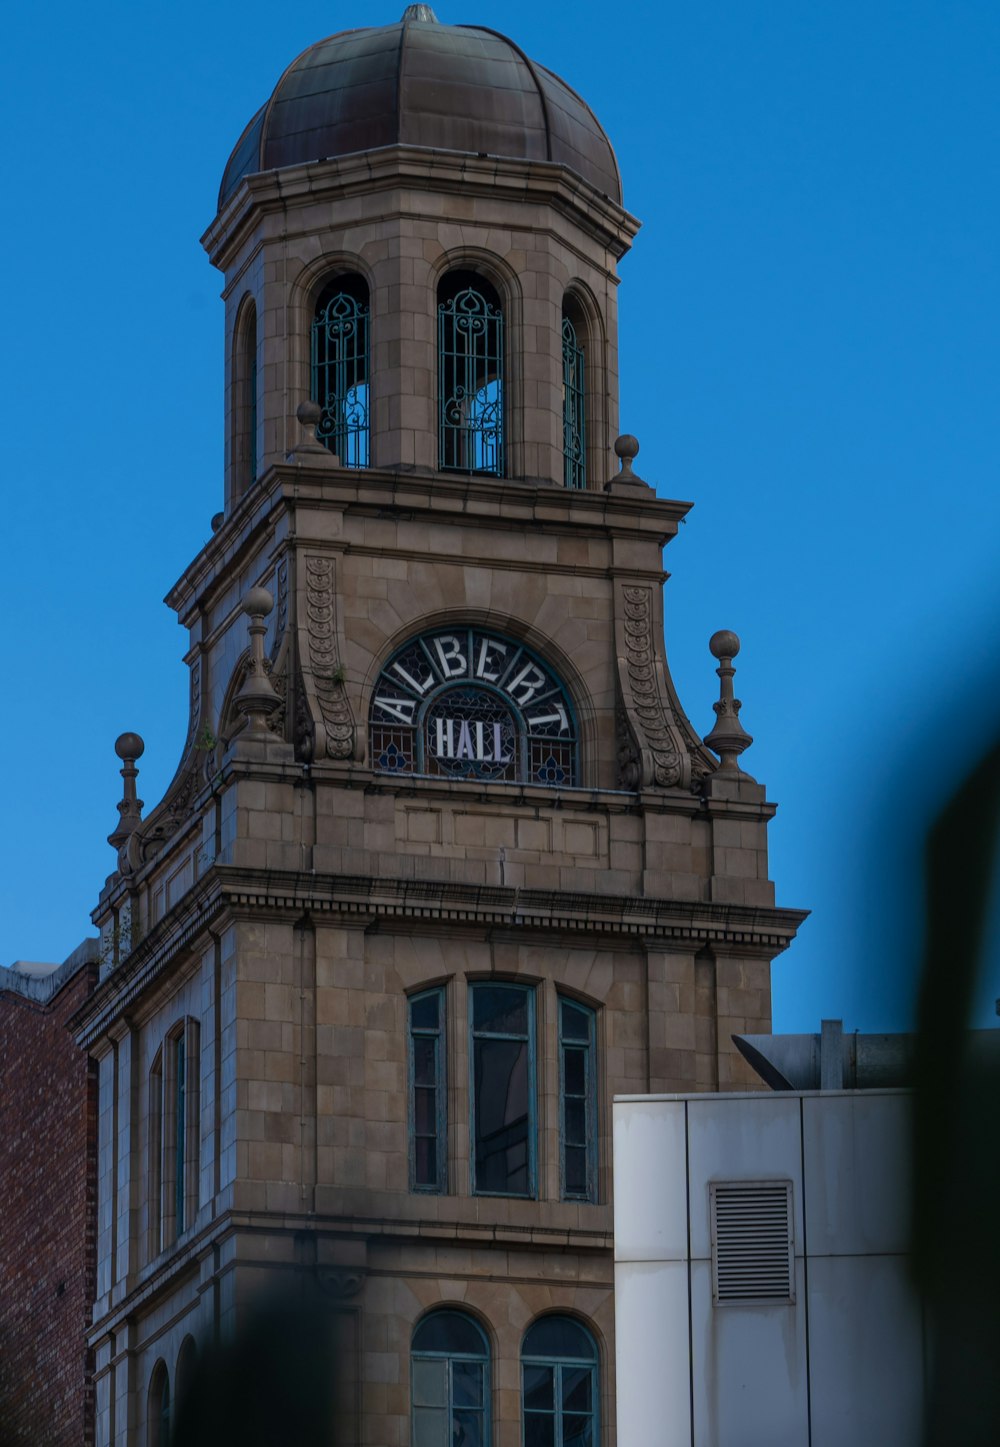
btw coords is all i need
(444, 865)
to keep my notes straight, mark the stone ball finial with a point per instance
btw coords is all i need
(258, 603)
(309, 414)
(626, 450)
(724, 644)
(129, 746)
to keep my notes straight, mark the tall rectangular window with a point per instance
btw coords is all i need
(577, 1101)
(503, 1090)
(428, 1111)
(574, 408)
(180, 1133)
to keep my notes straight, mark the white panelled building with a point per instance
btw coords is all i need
(762, 1286)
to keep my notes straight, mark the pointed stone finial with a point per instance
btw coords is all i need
(257, 698)
(626, 450)
(728, 738)
(309, 451)
(420, 12)
(128, 747)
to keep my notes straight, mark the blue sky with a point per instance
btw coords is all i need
(809, 323)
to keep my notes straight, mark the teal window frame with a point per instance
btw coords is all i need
(420, 1037)
(449, 1412)
(563, 1373)
(527, 1037)
(577, 1101)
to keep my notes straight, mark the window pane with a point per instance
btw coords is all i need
(539, 1429)
(500, 1009)
(575, 1122)
(576, 1389)
(425, 1059)
(425, 1161)
(430, 1383)
(577, 1432)
(559, 1337)
(501, 1116)
(538, 1382)
(425, 1012)
(425, 1110)
(467, 1429)
(574, 1071)
(575, 1023)
(450, 1332)
(467, 1384)
(430, 1427)
(575, 1171)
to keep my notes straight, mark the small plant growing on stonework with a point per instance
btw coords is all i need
(338, 674)
(119, 942)
(206, 740)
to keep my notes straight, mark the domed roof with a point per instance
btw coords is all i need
(420, 83)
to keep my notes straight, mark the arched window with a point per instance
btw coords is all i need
(470, 375)
(574, 402)
(187, 1362)
(559, 1384)
(450, 1385)
(245, 399)
(468, 704)
(158, 1407)
(341, 369)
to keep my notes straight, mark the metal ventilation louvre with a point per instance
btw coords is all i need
(752, 1256)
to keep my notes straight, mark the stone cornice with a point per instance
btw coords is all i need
(416, 168)
(156, 1282)
(440, 497)
(230, 892)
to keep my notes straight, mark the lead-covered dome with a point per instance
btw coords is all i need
(420, 83)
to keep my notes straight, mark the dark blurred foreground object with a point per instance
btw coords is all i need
(272, 1386)
(957, 1125)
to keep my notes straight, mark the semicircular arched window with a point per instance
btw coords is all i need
(450, 1383)
(467, 704)
(340, 369)
(559, 1384)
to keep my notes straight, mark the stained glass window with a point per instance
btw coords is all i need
(468, 704)
(340, 369)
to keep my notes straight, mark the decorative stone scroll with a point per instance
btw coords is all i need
(644, 704)
(323, 667)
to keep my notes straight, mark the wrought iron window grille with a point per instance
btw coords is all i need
(341, 372)
(574, 408)
(470, 384)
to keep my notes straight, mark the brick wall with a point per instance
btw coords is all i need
(48, 1180)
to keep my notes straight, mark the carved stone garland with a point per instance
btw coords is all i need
(648, 706)
(327, 671)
